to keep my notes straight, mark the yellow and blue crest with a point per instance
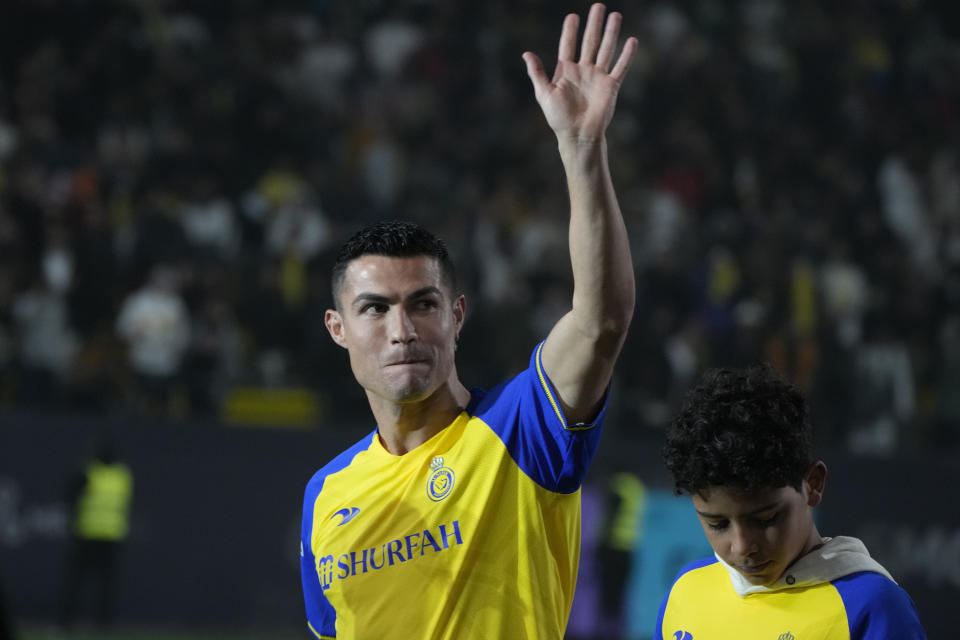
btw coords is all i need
(440, 482)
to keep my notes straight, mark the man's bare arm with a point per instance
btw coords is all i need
(578, 103)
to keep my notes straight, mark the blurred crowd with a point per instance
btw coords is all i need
(175, 177)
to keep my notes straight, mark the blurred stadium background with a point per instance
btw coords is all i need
(174, 177)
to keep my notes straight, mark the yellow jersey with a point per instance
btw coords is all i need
(473, 534)
(835, 593)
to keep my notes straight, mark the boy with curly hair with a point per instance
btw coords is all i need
(740, 447)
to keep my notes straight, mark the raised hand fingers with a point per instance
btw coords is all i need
(598, 48)
(609, 43)
(568, 37)
(592, 33)
(626, 57)
(536, 73)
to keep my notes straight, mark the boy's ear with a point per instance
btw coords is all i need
(815, 481)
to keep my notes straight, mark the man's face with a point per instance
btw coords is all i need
(761, 533)
(399, 321)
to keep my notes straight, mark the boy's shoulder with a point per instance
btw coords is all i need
(867, 589)
(702, 568)
(697, 564)
(877, 607)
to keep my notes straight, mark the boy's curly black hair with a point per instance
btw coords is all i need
(395, 239)
(746, 429)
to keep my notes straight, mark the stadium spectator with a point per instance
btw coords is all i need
(623, 507)
(48, 344)
(100, 497)
(884, 396)
(154, 323)
(772, 129)
(208, 220)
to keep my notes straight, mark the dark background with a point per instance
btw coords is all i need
(789, 174)
(214, 539)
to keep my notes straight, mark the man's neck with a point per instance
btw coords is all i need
(403, 427)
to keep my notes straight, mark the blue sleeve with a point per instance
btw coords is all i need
(525, 414)
(878, 608)
(658, 631)
(321, 617)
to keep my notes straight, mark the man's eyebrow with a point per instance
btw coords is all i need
(370, 297)
(366, 296)
(767, 507)
(425, 291)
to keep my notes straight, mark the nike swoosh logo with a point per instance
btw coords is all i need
(347, 515)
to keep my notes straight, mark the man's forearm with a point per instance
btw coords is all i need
(604, 288)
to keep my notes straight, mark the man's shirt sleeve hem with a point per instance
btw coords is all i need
(317, 635)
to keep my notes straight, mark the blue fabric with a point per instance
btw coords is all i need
(878, 608)
(524, 413)
(320, 614)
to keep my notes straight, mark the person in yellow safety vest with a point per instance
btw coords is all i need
(102, 499)
(623, 511)
(103, 509)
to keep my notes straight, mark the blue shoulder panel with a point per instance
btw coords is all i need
(525, 414)
(321, 617)
(878, 608)
(696, 564)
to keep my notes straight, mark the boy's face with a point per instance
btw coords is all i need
(761, 533)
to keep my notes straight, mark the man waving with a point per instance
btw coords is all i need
(458, 516)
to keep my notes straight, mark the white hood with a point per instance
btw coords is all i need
(838, 557)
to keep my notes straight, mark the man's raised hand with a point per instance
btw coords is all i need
(579, 101)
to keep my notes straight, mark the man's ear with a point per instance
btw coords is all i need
(335, 326)
(459, 312)
(815, 481)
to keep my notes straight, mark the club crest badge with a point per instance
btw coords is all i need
(440, 482)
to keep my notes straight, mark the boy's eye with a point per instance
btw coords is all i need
(718, 526)
(766, 522)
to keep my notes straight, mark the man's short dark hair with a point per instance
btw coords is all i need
(395, 239)
(743, 429)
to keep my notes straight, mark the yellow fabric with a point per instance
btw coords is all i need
(260, 406)
(803, 292)
(104, 506)
(279, 186)
(704, 605)
(455, 524)
(626, 522)
(317, 634)
(293, 279)
(724, 277)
